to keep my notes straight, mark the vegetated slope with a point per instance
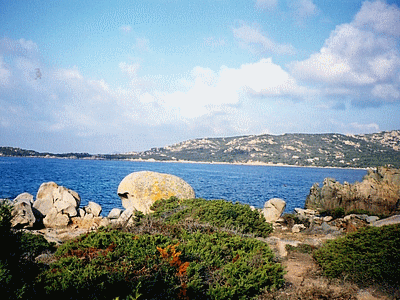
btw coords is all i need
(335, 150)
(320, 150)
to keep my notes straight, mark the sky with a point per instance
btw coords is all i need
(121, 76)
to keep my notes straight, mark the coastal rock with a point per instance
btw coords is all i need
(50, 195)
(22, 215)
(388, 221)
(114, 213)
(56, 219)
(93, 208)
(125, 217)
(56, 204)
(26, 197)
(298, 227)
(141, 189)
(273, 209)
(378, 193)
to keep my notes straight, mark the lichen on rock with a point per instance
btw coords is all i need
(141, 189)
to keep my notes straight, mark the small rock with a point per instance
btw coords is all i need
(104, 222)
(125, 216)
(70, 211)
(81, 212)
(114, 213)
(327, 219)
(273, 209)
(371, 219)
(298, 227)
(55, 219)
(93, 208)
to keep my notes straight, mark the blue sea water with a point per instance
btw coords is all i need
(98, 180)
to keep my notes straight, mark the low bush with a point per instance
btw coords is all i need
(291, 219)
(368, 255)
(17, 266)
(337, 212)
(110, 263)
(223, 214)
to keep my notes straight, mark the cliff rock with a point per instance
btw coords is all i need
(378, 193)
(141, 189)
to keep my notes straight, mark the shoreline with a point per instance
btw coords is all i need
(255, 163)
(252, 163)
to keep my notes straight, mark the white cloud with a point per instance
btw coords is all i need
(379, 17)
(126, 28)
(303, 9)
(211, 91)
(256, 41)
(386, 91)
(5, 73)
(130, 70)
(364, 128)
(362, 55)
(142, 44)
(266, 4)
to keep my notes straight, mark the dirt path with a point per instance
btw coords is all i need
(304, 279)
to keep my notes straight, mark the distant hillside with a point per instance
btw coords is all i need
(11, 151)
(322, 150)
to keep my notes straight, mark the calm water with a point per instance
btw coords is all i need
(98, 181)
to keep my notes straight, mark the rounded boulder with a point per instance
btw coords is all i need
(141, 189)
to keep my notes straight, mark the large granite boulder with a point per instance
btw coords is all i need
(56, 204)
(378, 193)
(22, 213)
(141, 189)
(273, 209)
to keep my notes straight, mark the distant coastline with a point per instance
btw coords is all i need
(292, 150)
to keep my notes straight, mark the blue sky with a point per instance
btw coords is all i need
(119, 76)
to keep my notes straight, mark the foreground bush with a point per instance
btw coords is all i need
(17, 266)
(236, 217)
(370, 255)
(110, 264)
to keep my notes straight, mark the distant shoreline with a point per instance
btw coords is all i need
(243, 164)
(254, 163)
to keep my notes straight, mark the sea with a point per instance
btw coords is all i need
(98, 180)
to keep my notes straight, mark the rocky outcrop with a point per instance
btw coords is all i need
(56, 204)
(141, 189)
(273, 209)
(22, 213)
(378, 193)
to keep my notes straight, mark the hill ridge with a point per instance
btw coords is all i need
(297, 149)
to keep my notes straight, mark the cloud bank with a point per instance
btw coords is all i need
(67, 111)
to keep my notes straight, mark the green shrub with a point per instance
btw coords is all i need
(337, 212)
(17, 268)
(291, 219)
(236, 217)
(368, 255)
(110, 264)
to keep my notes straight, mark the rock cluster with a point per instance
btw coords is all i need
(378, 193)
(58, 207)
